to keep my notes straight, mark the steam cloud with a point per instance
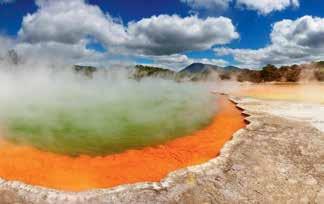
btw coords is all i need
(54, 109)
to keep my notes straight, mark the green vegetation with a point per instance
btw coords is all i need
(249, 75)
(204, 72)
(85, 70)
(320, 64)
(149, 71)
(271, 73)
(319, 72)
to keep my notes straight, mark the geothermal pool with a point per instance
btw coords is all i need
(145, 134)
(67, 132)
(33, 166)
(103, 119)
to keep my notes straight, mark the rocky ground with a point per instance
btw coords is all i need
(277, 158)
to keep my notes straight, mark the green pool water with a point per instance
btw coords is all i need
(102, 118)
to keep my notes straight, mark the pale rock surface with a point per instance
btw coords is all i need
(309, 112)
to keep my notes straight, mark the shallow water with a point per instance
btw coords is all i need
(306, 101)
(308, 92)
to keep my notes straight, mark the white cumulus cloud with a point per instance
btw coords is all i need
(71, 22)
(292, 41)
(263, 7)
(166, 34)
(267, 6)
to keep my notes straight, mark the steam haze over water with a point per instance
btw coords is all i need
(63, 112)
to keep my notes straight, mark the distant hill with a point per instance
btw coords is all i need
(269, 73)
(232, 68)
(200, 67)
(201, 72)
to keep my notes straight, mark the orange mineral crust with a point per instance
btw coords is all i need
(32, 166)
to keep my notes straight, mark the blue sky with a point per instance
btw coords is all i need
(254, 23)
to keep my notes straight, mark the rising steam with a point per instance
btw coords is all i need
(56, 110)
